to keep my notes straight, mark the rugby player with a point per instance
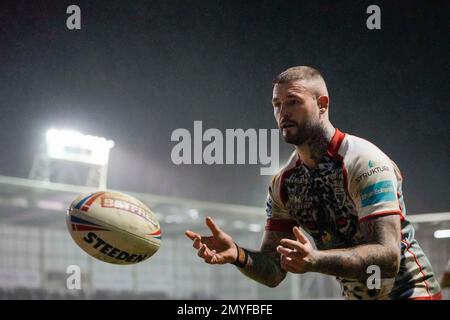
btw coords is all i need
(340, 189)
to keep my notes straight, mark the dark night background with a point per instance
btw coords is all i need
(137, 70)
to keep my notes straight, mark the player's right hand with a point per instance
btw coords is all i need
(216, 249)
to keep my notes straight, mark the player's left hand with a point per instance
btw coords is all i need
(297, 256)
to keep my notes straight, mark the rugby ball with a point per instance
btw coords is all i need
(114, 227)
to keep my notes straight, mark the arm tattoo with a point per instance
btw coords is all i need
(263, 266)
(382, 249)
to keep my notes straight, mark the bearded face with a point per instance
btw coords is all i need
(296, 112)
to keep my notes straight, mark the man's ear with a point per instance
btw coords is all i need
(323, 102)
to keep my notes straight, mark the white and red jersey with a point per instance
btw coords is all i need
(353, 182)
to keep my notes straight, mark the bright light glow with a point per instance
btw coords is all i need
(239, 224)
(439, 234)
(193, 213)
(75, 146)
(51, 205)
(253, 227)
(173, 219)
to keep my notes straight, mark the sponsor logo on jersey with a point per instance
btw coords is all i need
(373, 169)
(382, 191)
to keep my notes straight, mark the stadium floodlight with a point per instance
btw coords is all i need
(75, 146)
(439, 234)
(254, 227)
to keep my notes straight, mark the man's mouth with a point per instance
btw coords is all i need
(286, 125)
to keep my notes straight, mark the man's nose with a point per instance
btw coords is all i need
(284, 111)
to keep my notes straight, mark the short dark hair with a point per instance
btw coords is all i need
(299, 73)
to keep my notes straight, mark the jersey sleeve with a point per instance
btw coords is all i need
(373, 185)
(278, 217)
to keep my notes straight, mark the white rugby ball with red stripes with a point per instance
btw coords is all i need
(114, 227)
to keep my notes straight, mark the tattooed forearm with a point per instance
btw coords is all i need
(264, 268)
(264, 265)
(382, 249)
(353, 263)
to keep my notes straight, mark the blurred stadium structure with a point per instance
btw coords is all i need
(36, 249)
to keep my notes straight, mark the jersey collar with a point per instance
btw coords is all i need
(335, 143)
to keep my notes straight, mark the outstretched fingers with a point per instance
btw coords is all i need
(293, 245)
(204, 244)
(195, 237)
(206, 254)
(284, 251)
(300, 235)
(213, 226)
(191, 235)
(287, 264)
